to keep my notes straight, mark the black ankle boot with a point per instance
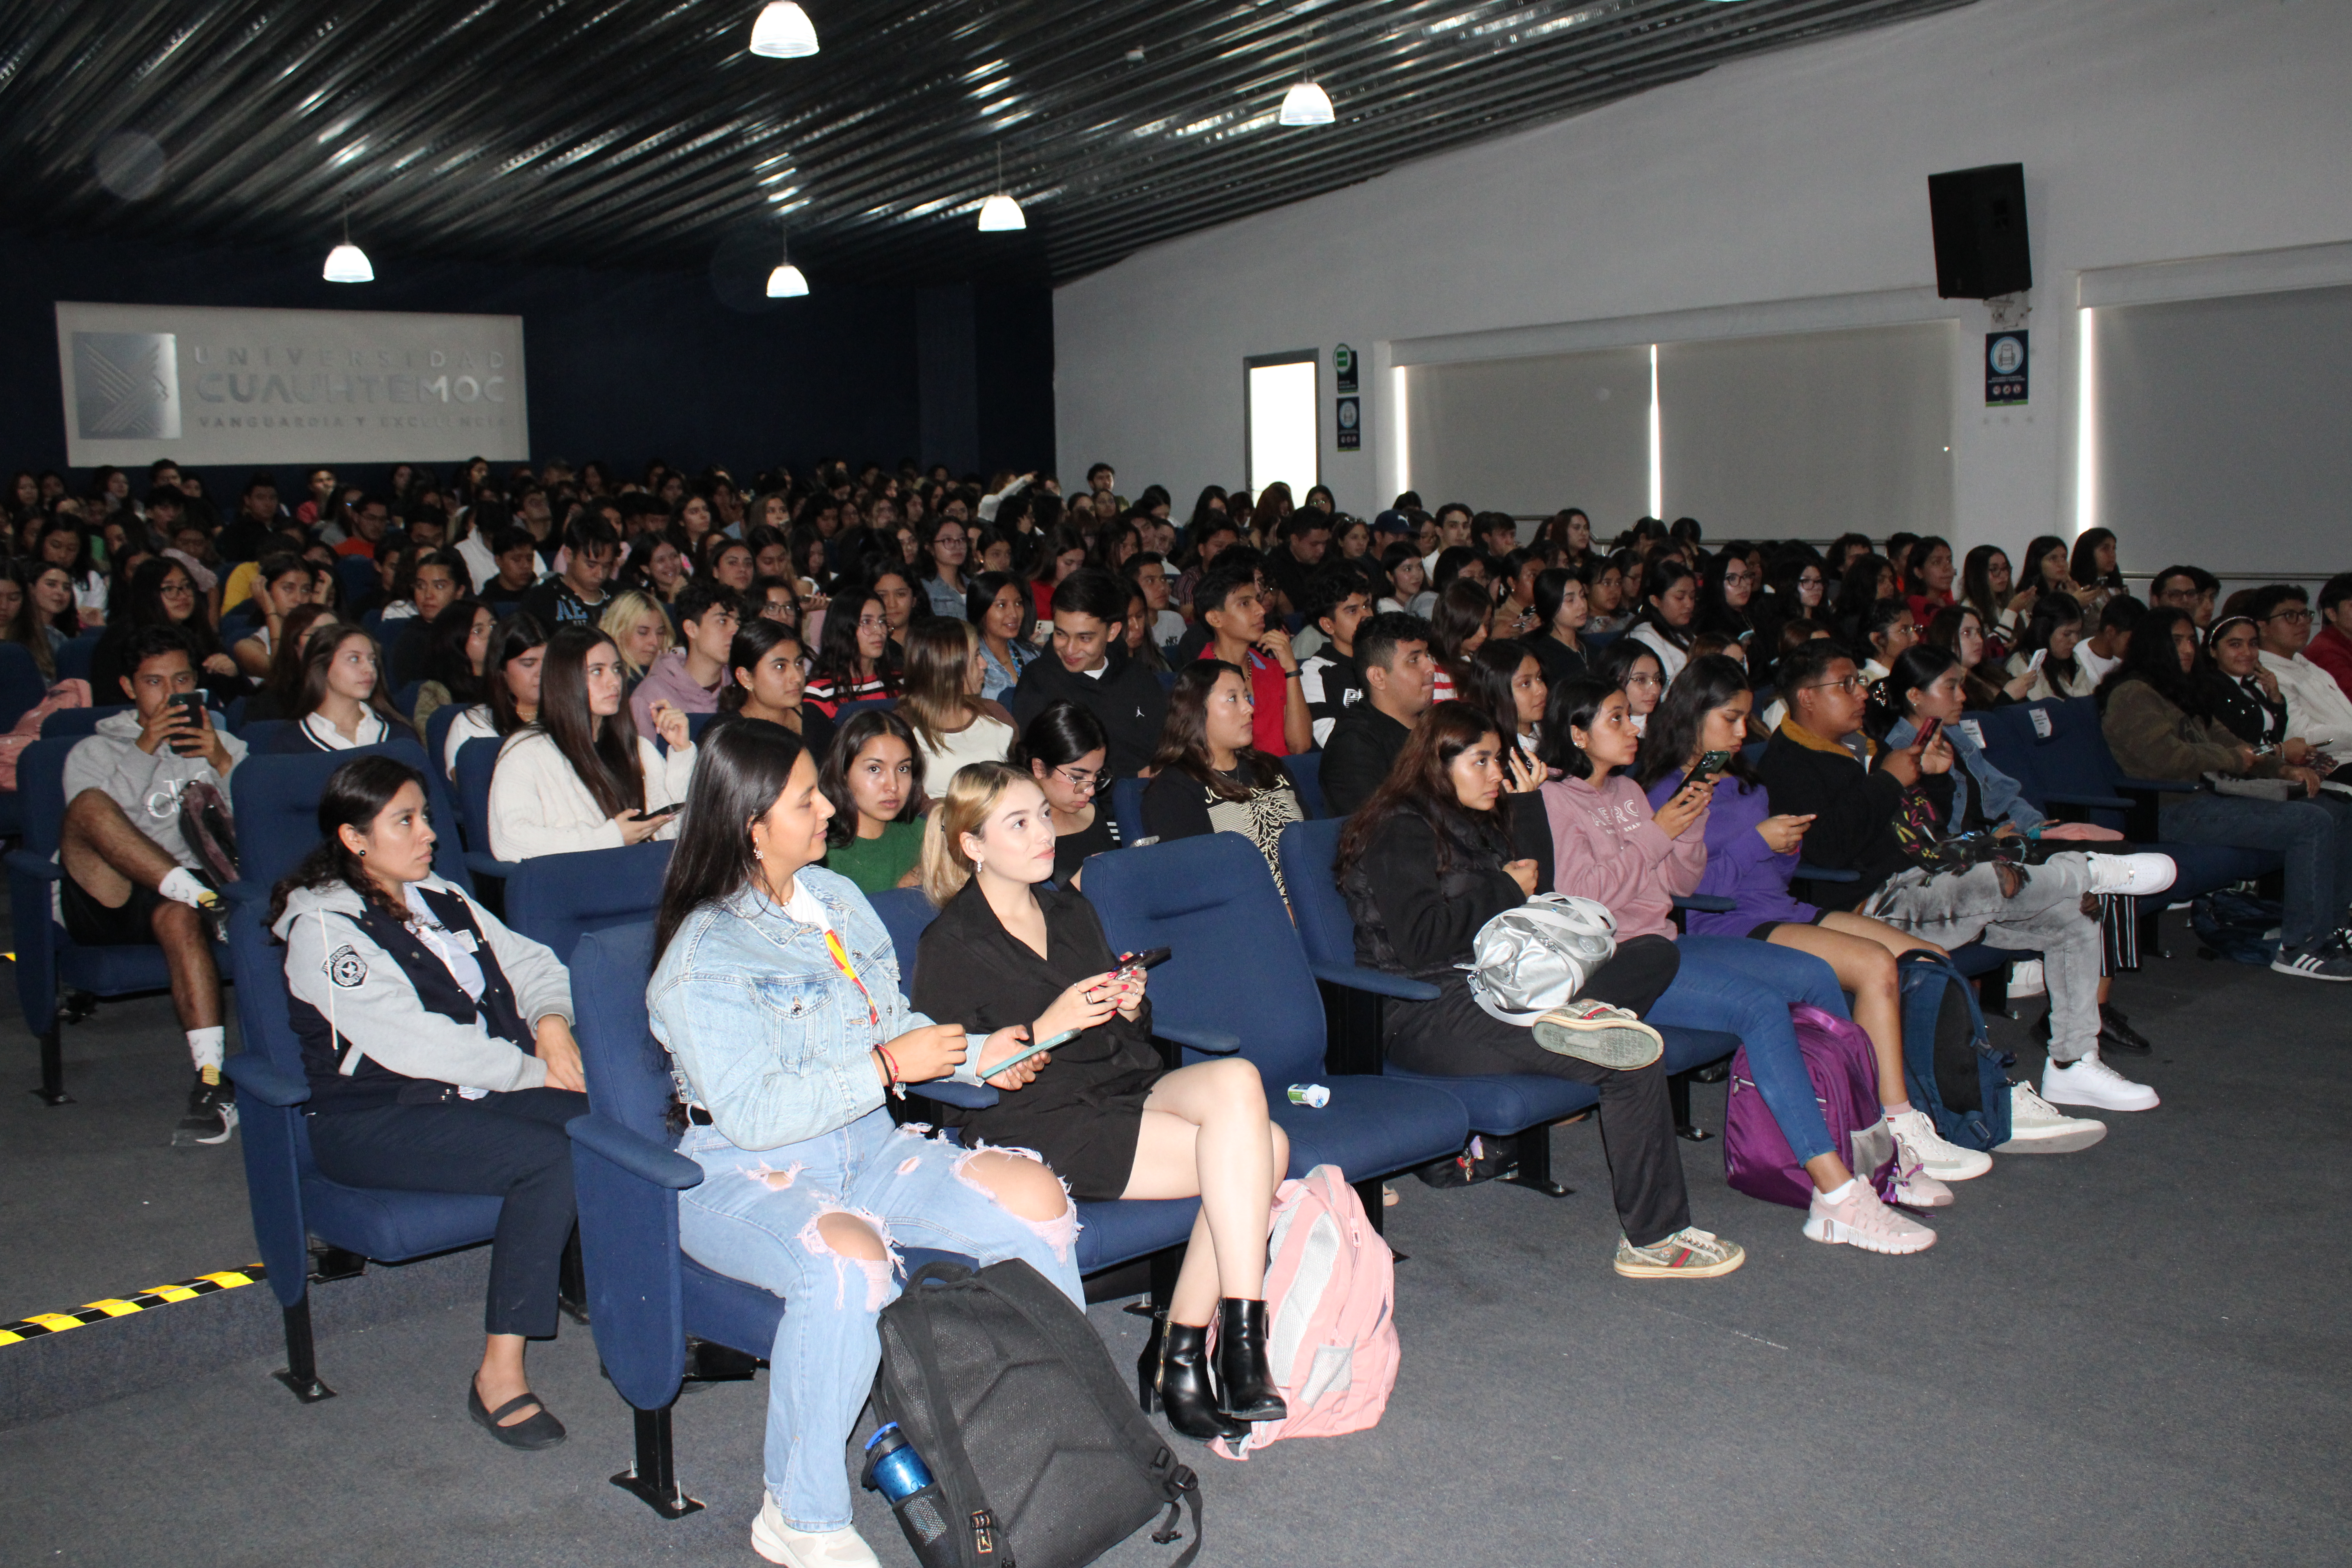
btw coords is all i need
(1173, 1374)
(1245, 1390)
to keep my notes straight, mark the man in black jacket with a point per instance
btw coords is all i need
(1089, 666)
(1392, 656)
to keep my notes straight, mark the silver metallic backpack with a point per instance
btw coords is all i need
(1528, 959)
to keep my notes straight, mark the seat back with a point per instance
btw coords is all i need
(262, 736)
(2070, 758)
(1306, 770)
(849, 710)
(1235, 962)
(627, 1070)
(276, 801)
(41, 790)
(559, 898)
(355, 576)
(74, 658)
(1325, 929)
(80, 721)
(696, 724)
(477, 760)
(437, 730)
(1127, 807)
(405, 698)
(906, 915)
(21, 686)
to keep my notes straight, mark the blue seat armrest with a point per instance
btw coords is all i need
(1707, 903)
(2088, 801)
(33, 865)
(634, 1152)
(1207, 1041)
(1378, 982)
(948, 1092)
(266, 1080)
(2159, 786)
(482, 863)
(1807, 871)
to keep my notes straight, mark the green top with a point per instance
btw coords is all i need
(876, 864)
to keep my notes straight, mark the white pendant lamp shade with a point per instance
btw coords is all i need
(1305, 104)
(786, 283)
(347, 263)
(783, 32)
(1000, 213)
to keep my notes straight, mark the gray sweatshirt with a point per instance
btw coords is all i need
(146, 787)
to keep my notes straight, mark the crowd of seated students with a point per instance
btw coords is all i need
(1496, 718)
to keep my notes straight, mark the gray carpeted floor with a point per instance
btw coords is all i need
(2134, 1355)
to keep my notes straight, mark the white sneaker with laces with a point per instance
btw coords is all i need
(2090, 1081)
(2037, 1127)
(1862, 1221)
(777, 1541)
(1915, 1188)
(1916, 1134)
(2138, 875)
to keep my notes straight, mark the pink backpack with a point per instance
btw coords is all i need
(1331, 1339)
(1757, 1158)
(71, 694)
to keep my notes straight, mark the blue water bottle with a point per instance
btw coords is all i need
(898, 1473)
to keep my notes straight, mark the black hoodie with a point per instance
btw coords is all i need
(1127, 698)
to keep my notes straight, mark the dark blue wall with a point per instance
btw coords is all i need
(622, 366)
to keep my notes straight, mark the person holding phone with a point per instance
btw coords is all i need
(775, 993)
(579, 776)
(1008, 952)
(131, 875)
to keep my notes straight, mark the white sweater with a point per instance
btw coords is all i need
(539, 806)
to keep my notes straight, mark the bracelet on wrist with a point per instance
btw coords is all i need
(890, 1068)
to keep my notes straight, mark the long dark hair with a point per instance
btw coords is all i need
(2152, 657)
(318, 657)
(444, 655)
(753, 641)
(1419, 785)
(142, 605)
(1976, 584)
(2052, 613)
(740, 769)
(834, 776)
(1716, 613)
(509, 640)
(2042, 545)
(836, 654)
(1486, 682)
(1571, 705)
(1184, 738)
(1062, 732)
(2084, 564)
(604, 752)
(354, 797)
(1857, 591)
(1916, 668)
(1657, 582)
(1944, 632)
(1914, 582)
(1671, 734)
(1462, 611)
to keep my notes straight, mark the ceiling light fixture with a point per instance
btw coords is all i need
(1000, 214)
(1306, 104)
(786, 283)
(783, 32)
(347, 263)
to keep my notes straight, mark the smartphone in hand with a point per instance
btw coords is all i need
(190, 741)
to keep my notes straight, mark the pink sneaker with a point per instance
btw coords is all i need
(1862, 1221)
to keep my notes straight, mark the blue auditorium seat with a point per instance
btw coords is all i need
(559, 898)
(477, 760)
(1127, 808)
(1306, 770)
(275, 802)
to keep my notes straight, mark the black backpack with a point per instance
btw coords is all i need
(2231, 924)
(1035, 1444)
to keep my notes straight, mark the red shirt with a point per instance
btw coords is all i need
(2332, 651)
(1270, 691)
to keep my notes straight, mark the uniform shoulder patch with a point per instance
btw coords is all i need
(346, 968)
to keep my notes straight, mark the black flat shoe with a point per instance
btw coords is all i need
(1174, 1375)
(541, 1431)
(2115, 1034)
(1245, 1388)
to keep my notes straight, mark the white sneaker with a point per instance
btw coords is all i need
(2138, 875)
(2090, 1081)
(1862, 1221)
(777, 1541)
(2025, 978)
(1915, 1188)
(1920, 1143)
(2035, 1127)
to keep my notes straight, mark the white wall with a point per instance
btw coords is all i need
(1785, 192)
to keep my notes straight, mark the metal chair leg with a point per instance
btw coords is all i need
(652, 1475)
(1678, 1098)
(52, 1068)
(302, 1373)
(1533, 1167)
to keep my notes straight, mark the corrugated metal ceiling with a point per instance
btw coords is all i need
(620, 132)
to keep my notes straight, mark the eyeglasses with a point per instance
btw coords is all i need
(1081, 779)
(1850, 685)
(871, 623)
(2288, 616)
(1733, 578)
(1645, 681)
(1810, 580)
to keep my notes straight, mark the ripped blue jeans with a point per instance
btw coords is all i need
(755, 1218)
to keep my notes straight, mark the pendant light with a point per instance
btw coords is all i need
(1306, 104)
(1000, 214)
(347, 263)
(783, 32)
(786, 283)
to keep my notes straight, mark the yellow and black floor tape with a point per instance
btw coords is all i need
(40, 1323)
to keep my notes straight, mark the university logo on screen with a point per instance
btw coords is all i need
(127, 386)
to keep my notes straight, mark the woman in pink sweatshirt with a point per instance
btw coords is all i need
(1604, 843)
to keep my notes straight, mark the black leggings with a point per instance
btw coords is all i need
(1453, 1036)
(510, 1146)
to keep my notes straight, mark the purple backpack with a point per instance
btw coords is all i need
(1844, 1069)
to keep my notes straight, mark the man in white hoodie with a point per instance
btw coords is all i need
(130, 874)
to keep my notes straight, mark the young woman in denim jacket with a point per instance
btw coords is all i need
(776, 992)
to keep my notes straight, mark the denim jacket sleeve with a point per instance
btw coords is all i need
(776, 1042)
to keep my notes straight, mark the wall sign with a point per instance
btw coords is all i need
(1343, 360)
(2005, 367)
(1350, 424)
(198, 385)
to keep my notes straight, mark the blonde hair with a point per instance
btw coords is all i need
(938, 662)
(971, 795)
(626, 608)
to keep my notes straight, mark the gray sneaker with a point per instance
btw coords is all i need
(2321, 961)
(1690, 1253)
(1597, 1033)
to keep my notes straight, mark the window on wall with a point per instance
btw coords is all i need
(1280, 402)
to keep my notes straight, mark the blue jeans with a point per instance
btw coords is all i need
(755, 1218)
(2314, 835)
(1744, 988)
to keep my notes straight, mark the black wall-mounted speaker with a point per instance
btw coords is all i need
(1981, 243)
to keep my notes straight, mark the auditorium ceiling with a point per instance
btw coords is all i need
(643, 132)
